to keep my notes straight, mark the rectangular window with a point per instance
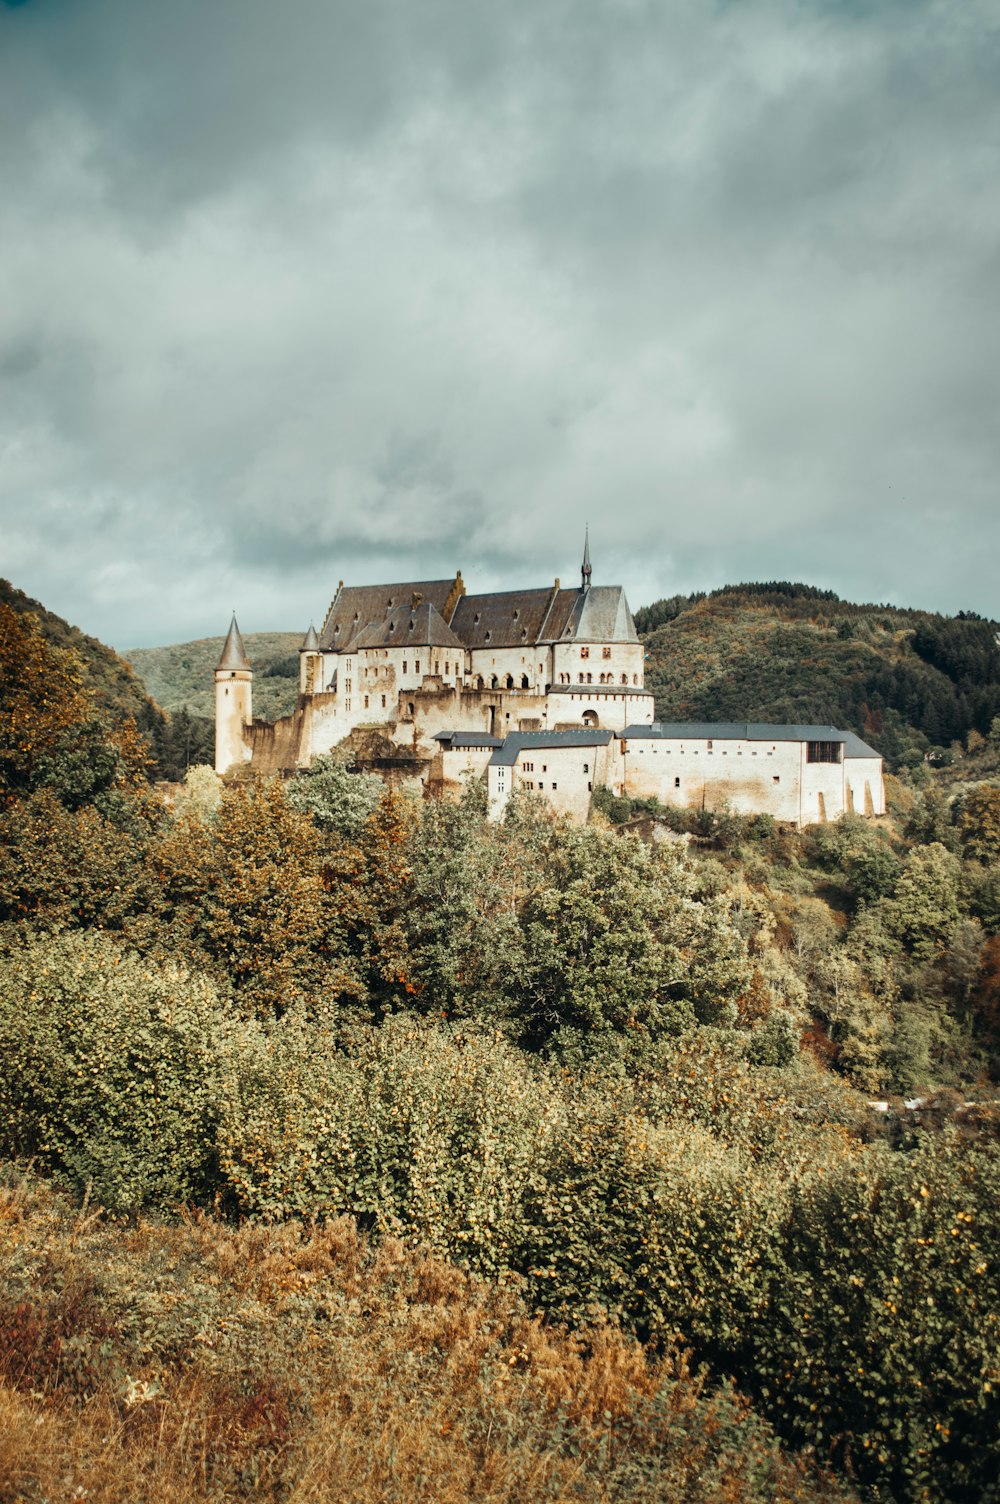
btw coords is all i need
(584, 652)
(823, 751)
(586, 767)
(555, 785)
(404, 665)
(677, 783)
(605, 652)
(416, 667)
(709, 745)
(775, 778)
(383, 702)
(437, 666)
(590, 788)
(366, 702)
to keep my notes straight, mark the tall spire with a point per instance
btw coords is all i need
(586, 570)
(234, 656)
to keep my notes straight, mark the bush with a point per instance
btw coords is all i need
(110, 1070)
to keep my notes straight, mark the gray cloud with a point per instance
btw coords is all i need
(297, 293)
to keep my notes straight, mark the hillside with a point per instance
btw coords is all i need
(906, 680)
(180, 677)
(113, 686)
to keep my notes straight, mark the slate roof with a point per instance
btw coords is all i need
(542, 741)
(401, 628)
(506, 619)
(503, 619)
(234, 656)
(355, 607)
(310, 643)
(748, 731)
(599, 689)
(460, 739)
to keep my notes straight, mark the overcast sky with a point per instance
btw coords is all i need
(301, 291)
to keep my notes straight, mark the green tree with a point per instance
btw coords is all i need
(979, 823)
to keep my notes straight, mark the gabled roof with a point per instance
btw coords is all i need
(355, 607)
(234, 658)
(542, 741)
(748, 731)
(505, 619)
(601, 614)
(424, 627)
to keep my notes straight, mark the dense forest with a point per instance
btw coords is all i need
(909, 682)
(358, 1146)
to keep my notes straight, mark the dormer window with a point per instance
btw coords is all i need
(392, 626)
(389, 606)
(516, 614)
(488, 636)
(475, 619)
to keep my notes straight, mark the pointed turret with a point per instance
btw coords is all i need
(585, 572)
(309, 662)
(233, 653)
(233, 702)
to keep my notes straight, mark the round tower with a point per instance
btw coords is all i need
(309, 662)
(233, 702)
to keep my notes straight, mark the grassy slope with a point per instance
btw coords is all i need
(197, 1361)
(182, 675)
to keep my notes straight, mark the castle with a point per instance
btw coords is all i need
(539, 689)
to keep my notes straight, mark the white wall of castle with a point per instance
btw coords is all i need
(749, 777)
(233, 714)
(597, 663)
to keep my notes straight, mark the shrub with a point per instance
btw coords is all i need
(110, 1070)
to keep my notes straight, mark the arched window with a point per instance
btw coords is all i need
(509, 681)
(524, 682)
(480, 683)
(493, 682)
(635, 678)
(590, 717)
(624, 678)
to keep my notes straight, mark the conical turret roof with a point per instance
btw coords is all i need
(310, 643)
(233, 653)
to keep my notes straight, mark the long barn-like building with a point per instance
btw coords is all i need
(540, 690)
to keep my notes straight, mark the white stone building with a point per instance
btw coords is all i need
(413, 660)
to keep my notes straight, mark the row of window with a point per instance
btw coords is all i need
(585, 652)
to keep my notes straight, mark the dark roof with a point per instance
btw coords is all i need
(355, 607)
(599, 689)
(601, 614)
(748, 731)
(234, 656)
(506, 619)
(468, 739)
(542, 741)
(424, 627)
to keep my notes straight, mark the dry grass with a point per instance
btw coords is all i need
(199, 1362)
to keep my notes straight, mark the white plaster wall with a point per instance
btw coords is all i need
(614, 711)
(575, 660)
(233, 712)
(525, 661)
(565, 776)
(864, 775)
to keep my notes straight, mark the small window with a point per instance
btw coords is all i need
(437, 667)
(823, 751)
(605, 652)
(545, 767)
(404, 666)
(555, 785)
(383, 702)
(586, 767)
(416, 666)
(366, 702)
(775, 778)
(590, 788)
(584, 652)
(709, 745)
(677, 783)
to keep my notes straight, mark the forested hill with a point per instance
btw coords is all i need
(114, 688)
(906, 680)
(181, 677)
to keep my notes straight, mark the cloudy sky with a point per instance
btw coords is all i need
(374, 289)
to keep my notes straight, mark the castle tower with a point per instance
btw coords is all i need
(586, 571)
(309, 662)
(233, 702)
